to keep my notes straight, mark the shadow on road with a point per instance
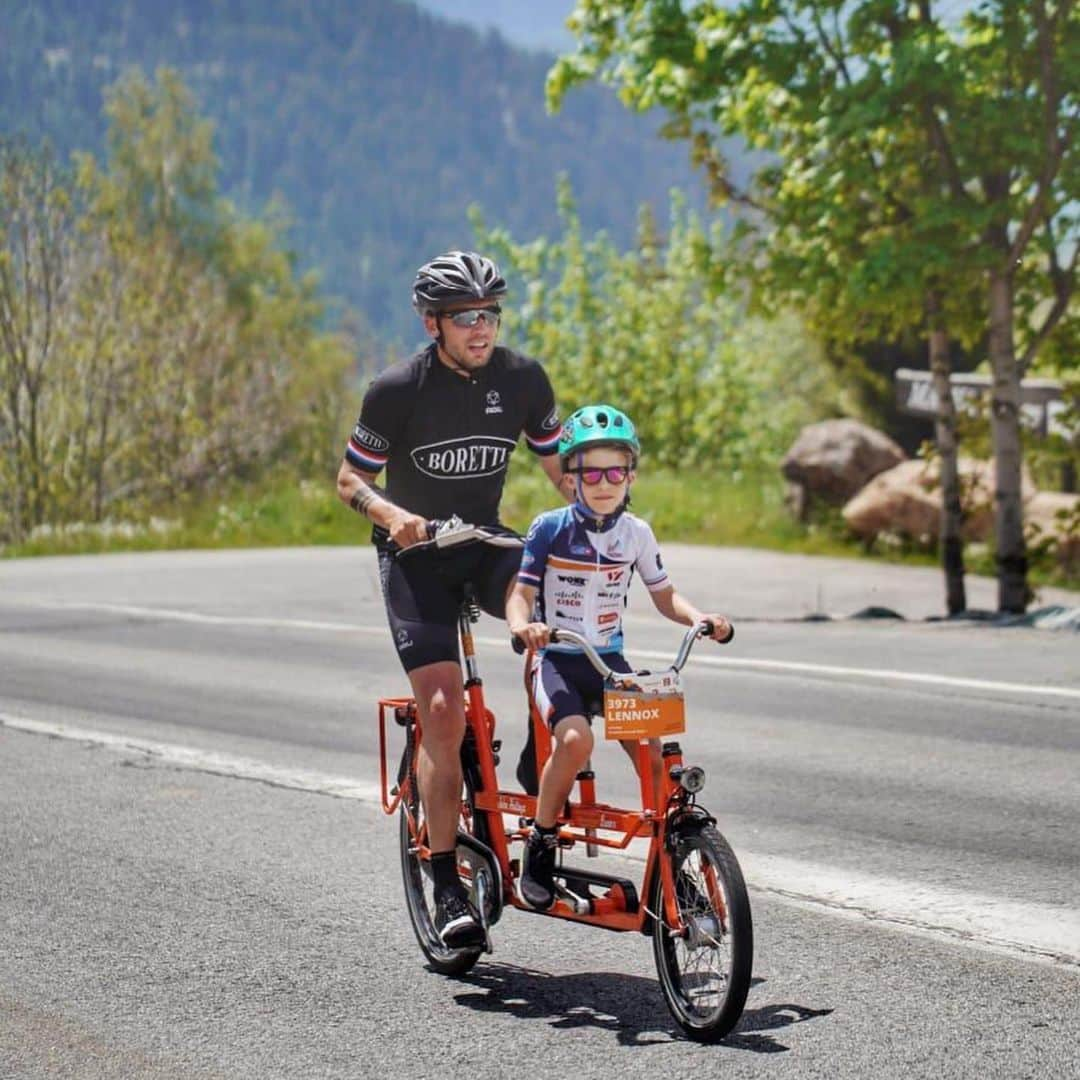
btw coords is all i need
(630, 1006)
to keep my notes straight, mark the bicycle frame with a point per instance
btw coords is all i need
(595, 824)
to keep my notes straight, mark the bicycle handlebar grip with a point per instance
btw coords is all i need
(519, 645)
(710, 629)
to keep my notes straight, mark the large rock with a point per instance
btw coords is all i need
(1053, 518)
(906, 500)
(834, 459)
(900, 500)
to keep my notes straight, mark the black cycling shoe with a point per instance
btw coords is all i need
(456, 922)
(536, 886)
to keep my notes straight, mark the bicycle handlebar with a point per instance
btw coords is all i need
(452, 531)
(704, 628)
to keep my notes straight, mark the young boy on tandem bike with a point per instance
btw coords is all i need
(575, 574)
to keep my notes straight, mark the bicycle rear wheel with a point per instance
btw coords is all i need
(705, 970)
(420, 901)
(476, 867)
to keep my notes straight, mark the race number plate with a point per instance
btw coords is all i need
(650, 708)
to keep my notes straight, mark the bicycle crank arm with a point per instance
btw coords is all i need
(580, 904)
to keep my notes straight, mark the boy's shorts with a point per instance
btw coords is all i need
(566, 684)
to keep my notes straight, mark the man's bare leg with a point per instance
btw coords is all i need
(440, 701)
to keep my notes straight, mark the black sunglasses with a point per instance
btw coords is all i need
(471, 316)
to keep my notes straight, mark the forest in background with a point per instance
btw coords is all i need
(371, 124)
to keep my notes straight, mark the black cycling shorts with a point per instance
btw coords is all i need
(566, 684)
(423, 594)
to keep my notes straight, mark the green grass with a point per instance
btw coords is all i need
(691, 507)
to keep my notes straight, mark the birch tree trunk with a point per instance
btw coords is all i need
(1005, 431)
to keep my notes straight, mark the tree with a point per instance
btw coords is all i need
(36, 266)
(233, 371)
(153, 343)
(644, 329)
(906, 160)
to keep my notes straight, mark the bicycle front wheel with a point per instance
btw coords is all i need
(705, 968)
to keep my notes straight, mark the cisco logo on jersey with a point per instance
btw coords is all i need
(462, 459)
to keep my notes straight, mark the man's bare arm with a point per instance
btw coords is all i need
(357, 489)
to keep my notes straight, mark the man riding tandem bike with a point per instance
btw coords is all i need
(575, 571)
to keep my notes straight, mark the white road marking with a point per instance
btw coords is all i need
(882, 676)
(206, 761)
(1031, 931)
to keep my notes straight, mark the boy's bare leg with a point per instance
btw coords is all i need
(572, 743)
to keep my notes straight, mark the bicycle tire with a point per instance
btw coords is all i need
(705, 972)
(420, 903)
(419, 886)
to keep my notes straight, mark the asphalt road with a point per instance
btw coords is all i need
(196, 879)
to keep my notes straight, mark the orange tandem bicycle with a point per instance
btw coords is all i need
(692, 899)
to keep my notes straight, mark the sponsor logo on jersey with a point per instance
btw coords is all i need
(369, 439)
(567, 579)
(614, 576)
(581, 549)
(493, 405)
(608, 618)
(462, 459)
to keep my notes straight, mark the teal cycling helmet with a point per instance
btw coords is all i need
(597, 425)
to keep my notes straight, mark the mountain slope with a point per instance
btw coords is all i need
(378, 124)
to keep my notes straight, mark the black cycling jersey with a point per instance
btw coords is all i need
(446, 439)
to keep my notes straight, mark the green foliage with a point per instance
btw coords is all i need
(157, 346)
(897, 143)
(705, 383)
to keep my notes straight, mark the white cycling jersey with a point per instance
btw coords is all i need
(583, 576)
